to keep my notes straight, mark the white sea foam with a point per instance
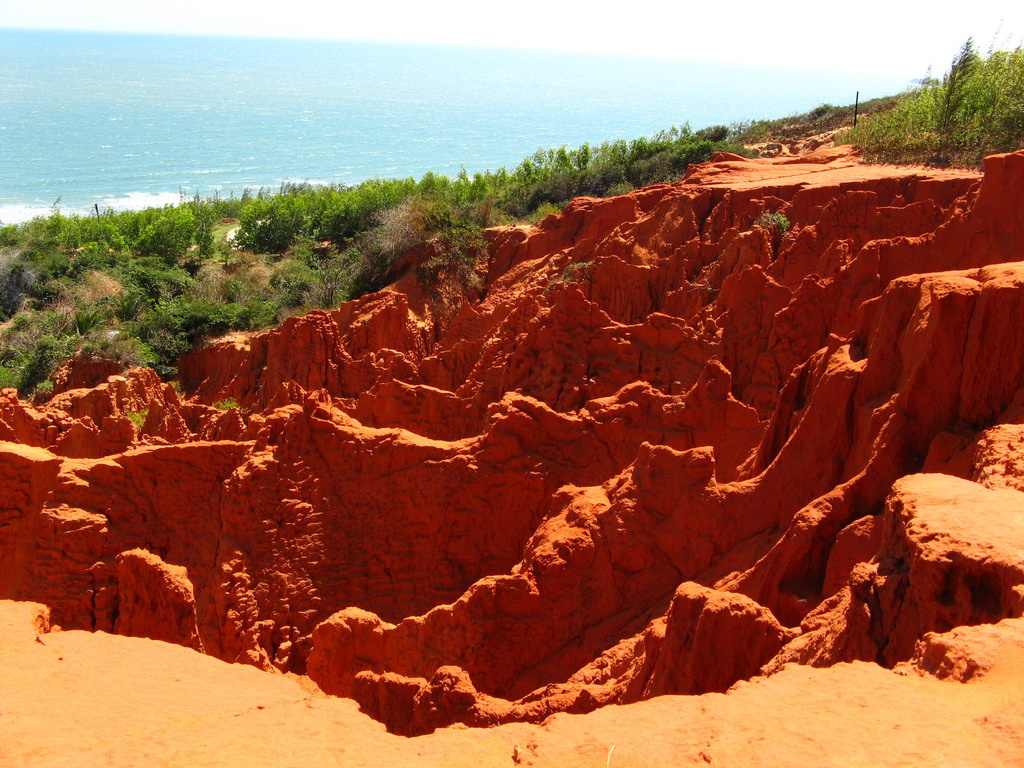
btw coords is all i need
(133, 201)
(312, 182)
(136, 201)
(16, 214)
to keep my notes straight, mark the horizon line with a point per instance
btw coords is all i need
(590, 52)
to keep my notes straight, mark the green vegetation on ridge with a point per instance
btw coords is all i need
(976, 109)
(145, 287)
(822, 119)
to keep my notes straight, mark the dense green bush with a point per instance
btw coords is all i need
(169, 235)
(115, 345)
(453, 258)
(556, 176)
(42, 360)
(151, 280)
(173, 327)
(293, 280)
(16, 281)
(341, 215)
(976, 109)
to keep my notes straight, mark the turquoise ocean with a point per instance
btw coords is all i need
(127, 121)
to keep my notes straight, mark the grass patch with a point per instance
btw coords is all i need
(822, 119)
(138, 418)
(221, 228)
(227, 404)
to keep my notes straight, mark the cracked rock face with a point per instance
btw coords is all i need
(709, 452)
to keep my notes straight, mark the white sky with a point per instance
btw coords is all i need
(894, 37)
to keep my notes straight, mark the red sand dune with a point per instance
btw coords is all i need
(708, 452)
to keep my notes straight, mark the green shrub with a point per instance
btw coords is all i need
(17, 278)
(454, 254)
(152, 280)
(43, 360)
(821, 119)
(129, 306)
(170, 232)
(138, 418)
(117, 345)
(269, 226)
(976, 109)
(335, 278)
(773, 220)
(28, 327)
(43, 391)
(172, 328)
(254, 315)
(10, 375)
(713, 133)
(87, 319)
(227, 404)
(556, 176)
(543, 211)
(292, 282)
(577, 272)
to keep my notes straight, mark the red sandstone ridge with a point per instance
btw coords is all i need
(705, 452)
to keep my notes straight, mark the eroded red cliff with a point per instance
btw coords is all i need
(668, 449)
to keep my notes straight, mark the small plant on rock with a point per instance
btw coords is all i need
(577, 272)
(776, 221)
(138, 418)
(227, 404)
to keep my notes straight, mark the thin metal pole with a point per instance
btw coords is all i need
(856, 107)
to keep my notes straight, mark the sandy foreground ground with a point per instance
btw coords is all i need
(91, 699)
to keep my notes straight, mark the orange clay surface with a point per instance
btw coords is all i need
(83, 699)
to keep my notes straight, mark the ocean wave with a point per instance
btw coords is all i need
(312, 182)
(17, 214)
(136, 201)
(133, 201)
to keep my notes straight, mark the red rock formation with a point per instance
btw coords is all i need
(155, 600)
(685, 652)
(84, 373)
(968, 652)
(667, 450)
(949, 556)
